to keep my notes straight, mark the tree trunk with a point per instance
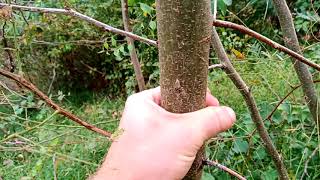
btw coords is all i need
(291, 41)
(184, 33)
(133, 53)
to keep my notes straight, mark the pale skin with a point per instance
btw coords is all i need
(158, 145)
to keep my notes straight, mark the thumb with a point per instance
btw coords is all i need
(210, 121)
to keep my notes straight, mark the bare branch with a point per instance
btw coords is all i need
(283, 99)
(73, 13)
(53, 105)
(223, 168)
(305, 171)
(133, 53)
(275, 45)
(250, 101)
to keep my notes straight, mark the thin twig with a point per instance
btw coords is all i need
(53, 78)
(223, 168)
(305, 171)
(73, 13)
(130, 41)
(54, 162)
(53, 105)
(283, 99)
(266, 40)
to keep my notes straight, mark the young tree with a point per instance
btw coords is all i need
(184, 33)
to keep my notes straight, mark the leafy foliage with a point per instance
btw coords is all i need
(87, 60)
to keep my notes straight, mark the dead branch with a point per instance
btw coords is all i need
(73, 13)
(275, 45)
(53, 105)
(250, 101)
(223, 168)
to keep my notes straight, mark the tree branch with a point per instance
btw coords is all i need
(283, 99)
(73, 13)
(223, 168)
(133, 53)
(275, 45)
(250, 101)
(305, 171)
(53, 105)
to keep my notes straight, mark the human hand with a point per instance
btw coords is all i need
(157, 144)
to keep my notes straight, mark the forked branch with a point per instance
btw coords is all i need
(53, 105)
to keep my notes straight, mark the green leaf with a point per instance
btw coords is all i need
(130, 47)
(122, 49)
(228, 2)
(207, 176)
(131, 2)
(106, 45)
(270, 175)
(153, 25)
(117, 54)
(113, 41)
(240, 146)
(222, 7)
(146, 8)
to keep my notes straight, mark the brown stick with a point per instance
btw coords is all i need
(250, 101)
(133, 53)
(11, 65)
(88, 19)
(275, 45)
(283, 99)
(53, 105)
(223, 168)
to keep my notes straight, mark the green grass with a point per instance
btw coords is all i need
(59, 146)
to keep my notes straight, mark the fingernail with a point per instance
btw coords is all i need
(231, 113)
